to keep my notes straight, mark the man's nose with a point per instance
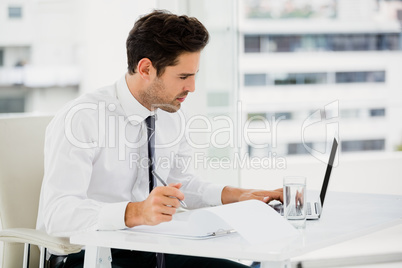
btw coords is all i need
(190, 86)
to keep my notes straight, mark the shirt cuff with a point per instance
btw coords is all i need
(213, 194)
(111, 216)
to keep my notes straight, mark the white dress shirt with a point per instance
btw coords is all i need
(96, 162)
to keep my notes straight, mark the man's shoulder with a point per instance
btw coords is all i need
(87, 106)
(104, 94)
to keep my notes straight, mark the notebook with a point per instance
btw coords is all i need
(248, 219)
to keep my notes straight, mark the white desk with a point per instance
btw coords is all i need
(346, 216)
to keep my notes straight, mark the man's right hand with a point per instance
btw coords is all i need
(157, 208)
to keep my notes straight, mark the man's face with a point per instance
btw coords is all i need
(168, 91)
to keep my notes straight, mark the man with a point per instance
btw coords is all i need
(95, 177)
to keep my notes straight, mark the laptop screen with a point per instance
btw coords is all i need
(328, 171)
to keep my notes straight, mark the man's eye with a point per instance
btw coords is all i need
(183, 77)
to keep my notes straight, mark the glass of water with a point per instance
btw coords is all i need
(294, 200)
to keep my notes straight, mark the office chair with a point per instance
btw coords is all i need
(21, 173)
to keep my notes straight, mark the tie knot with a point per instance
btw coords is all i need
(150, 121)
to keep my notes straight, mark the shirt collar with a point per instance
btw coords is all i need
(135, 112)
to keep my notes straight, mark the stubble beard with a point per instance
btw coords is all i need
(154, 97)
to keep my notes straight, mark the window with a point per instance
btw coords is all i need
(322, 42)
(314, 78)
(300, 78)
(350, 113)
(290, 9)
(298, 148)
(375, 77)
(255, 80)
(285, 43)
(262, 79)
(363, 145)
(360, 77)
(252, 44)
(1, 57)
(285, 79)
(257, 152)
(255, 116)
(377, 112)
(281, 115)
(14, 12)
(12, 105)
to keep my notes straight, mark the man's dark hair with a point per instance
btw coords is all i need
(161, 37)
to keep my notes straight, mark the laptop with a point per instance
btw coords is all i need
(314, 209)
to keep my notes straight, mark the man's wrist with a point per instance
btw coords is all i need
(133, 214)
(231, 194)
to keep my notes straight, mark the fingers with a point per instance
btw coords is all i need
(299, 198)
(265, 199)
(159, 199)
(161, 204)
(156, 214)
(265, 196)
(273, 195)
(171, 191)
(175, 185)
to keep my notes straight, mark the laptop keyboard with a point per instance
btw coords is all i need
(298, 211)
(308, 212)
(279, 209)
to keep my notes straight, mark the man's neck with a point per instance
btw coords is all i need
(135, 85)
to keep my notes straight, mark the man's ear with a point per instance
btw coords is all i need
(145, 69)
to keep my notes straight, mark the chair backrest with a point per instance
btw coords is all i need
(21, 174)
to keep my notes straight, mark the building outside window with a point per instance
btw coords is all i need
(300, 56)
(1, 57)
(12, 105)
(252, 44)
(360, 77)
(255, 80)
(380, 112)
(298, 148)
(280, 115)
(277, 79)
(350, 113)
(322, 42)
(256, 116)
(14, 12)
(300, 78)
(363, 145)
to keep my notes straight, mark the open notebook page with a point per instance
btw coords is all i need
(254, 220)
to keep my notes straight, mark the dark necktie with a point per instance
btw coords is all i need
(150, 121)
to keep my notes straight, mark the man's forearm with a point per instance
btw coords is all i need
(231, 194)
(132, 216)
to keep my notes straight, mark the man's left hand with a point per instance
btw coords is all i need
(263, 195)
(232, 194)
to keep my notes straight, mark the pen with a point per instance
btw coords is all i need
(164, 184)
(222, 232)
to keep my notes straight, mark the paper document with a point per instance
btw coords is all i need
(255, 221)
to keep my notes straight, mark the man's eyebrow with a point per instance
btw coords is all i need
(187, 74)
